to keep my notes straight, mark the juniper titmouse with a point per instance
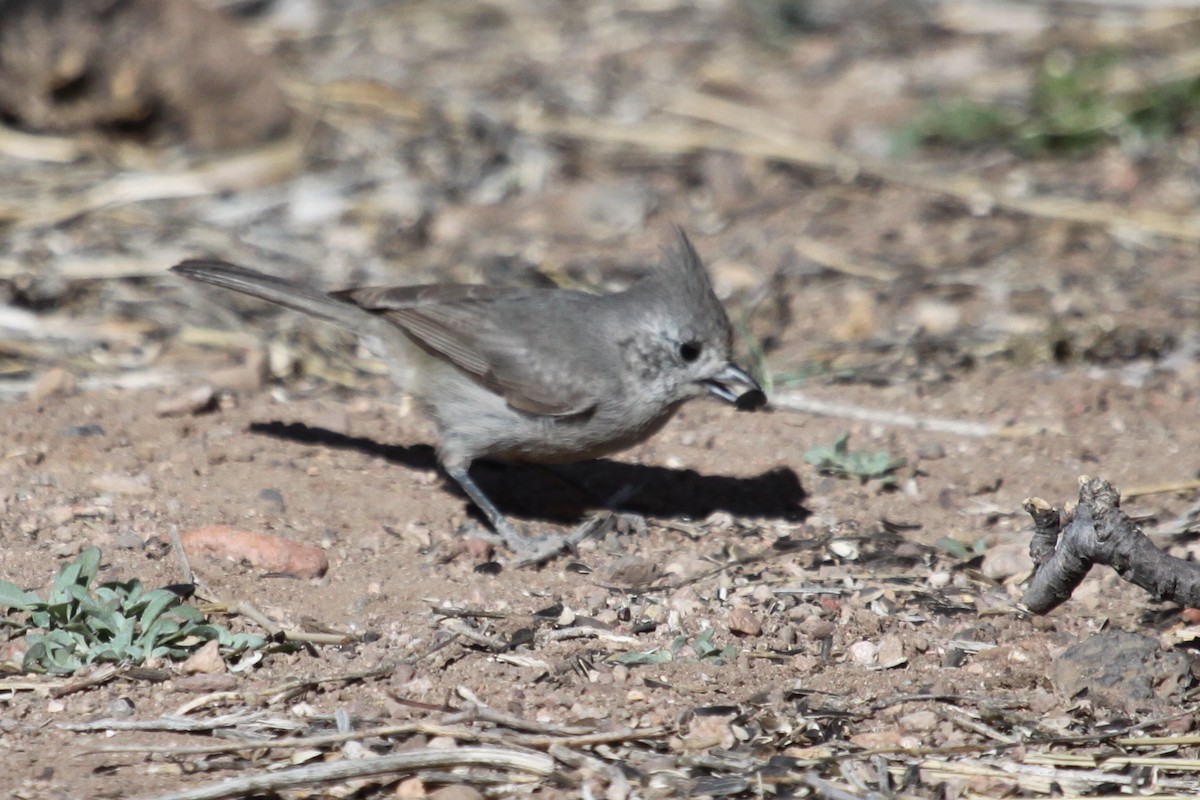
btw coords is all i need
(542, 375)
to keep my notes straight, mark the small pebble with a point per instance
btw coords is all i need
(743, 622)
(193, 401)
(89, 429)
(273, 500)
(865, 654)
(127, 485)
(54, 382)
(1004, 560)
(207, 660)
(121, 707)
(931, 452)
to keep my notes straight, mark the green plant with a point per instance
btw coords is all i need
(958, 550)
(118, 621)
(840, 461)
(1072, 109)
(702, 645)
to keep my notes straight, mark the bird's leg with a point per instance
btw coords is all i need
(528, 550)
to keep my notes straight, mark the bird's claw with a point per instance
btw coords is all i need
(534, 551)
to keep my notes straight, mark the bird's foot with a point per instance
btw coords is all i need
(531, 551)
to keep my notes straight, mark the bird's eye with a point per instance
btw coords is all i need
(689, 351)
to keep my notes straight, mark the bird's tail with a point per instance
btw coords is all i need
(275, 290)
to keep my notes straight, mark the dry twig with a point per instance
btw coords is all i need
(395, 765)
(1099, 533)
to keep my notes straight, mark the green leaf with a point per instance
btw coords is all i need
(82, 571)
(242, 642)
(157, 602)
(61, 613)
(131, 592)
(954, 548)
(703, 645)
(186, 613)
(56, 652)
(123, 638)
(13, 596)
(840, 461)
(35, 656)
(89, 607)
(163, 629)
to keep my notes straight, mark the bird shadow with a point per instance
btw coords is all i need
(567, 492)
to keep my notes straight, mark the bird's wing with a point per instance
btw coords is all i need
(468, 327)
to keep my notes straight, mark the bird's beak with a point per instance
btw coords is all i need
(734, 385)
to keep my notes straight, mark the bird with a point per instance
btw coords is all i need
(543, 375)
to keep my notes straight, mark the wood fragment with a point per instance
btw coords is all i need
(1100, 533)
(394, 765)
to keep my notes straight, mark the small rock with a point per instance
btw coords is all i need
(263, 550)
(655, 613)
(865, 654)
(817, 628)
(88, 429)
(919, 721)
(891, 652)
(120, 707)
(939, 579)
(193, 401)
(743, 622)
(127, 485)
(1119, 670)
(273, 500)
(54, 382)
(410, 789)
(633, 571)
(128, 540)
(1002, 561)
(685, 602)
(207, 660)
(846, 549)
(478, 548)
(931, 452)
(403, 674)
(709, 731)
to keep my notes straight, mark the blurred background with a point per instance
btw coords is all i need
(884, 191)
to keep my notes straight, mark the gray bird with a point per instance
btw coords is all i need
(540, 375)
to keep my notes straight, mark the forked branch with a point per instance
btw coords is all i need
(1098, 532)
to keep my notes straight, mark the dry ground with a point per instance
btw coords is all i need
(820, 629)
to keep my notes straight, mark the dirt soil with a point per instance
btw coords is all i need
(750, 627)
